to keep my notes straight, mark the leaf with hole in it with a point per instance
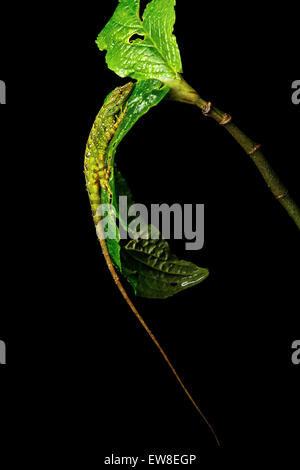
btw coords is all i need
(142, 48)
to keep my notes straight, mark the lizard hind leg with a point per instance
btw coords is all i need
(104, 182)
(120, 118)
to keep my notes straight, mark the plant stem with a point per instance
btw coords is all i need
(183, 92)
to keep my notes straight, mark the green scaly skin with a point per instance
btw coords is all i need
(104, 127)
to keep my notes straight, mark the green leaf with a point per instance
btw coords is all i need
(154, 272)
(145, 95)
(154, 54)
(147, 264)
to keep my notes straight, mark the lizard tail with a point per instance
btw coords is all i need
(141, 320)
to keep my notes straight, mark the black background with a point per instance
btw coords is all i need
(77, 358)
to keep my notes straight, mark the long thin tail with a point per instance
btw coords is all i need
(141, 320)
